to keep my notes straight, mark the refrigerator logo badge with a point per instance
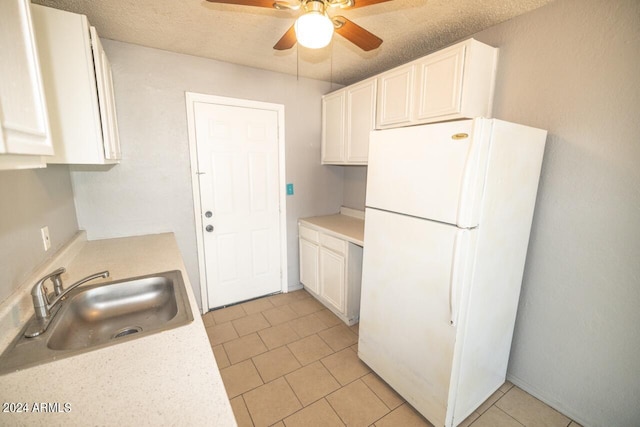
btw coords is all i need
(460, 136)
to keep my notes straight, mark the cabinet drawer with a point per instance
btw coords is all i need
(309, 234)
(334, 244)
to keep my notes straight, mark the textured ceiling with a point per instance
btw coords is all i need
(245, 35)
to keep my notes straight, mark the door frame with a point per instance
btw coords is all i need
(191, 99)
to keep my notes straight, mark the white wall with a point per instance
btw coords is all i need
(355, 182)
(30, 200)
(150, 191)
(573, 67)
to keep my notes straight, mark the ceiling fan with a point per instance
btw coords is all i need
(314, 28)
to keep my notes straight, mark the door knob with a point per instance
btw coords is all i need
(209, 228)
(208, 214)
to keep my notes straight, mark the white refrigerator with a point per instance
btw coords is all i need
(448, 213)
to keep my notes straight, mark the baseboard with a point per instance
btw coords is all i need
(295, 287)
(550, 401)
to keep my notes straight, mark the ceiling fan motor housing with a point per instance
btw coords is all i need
(317, 6)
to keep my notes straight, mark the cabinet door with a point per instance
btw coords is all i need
(333, 127)
(309, 265)
(332, 274)
(439, 84)
(104, 83)
(361, 113)
(24, 123)
(395, 90)
(70, 84)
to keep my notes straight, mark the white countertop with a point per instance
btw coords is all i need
(169, 378)
(348, 225)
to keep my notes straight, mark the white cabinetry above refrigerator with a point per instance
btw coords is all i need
(78, 87)
(453, 83)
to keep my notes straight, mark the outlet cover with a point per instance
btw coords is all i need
(44, 231)
(289, 189)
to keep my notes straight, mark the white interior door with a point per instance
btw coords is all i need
(238, 169)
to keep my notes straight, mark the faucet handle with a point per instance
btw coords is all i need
(39, 291)
(55, 274)
(57, 280)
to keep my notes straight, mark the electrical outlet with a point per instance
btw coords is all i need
(289, 189)
(44, 231)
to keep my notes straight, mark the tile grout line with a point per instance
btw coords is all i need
(334, 409)
(302, 407)
(499, 409)
(380, 397)
(241, 396)
(225, 354)
(258, 371)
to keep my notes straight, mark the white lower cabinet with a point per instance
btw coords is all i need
(332, 278)
(309, 253)
(331, 270)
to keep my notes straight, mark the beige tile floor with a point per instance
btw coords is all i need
(287, 361)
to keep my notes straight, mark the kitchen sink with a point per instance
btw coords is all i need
(104, 314)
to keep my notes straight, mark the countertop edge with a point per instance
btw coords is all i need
(168, 378)
(349, 228)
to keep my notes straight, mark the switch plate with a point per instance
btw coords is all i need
(289, 189)
(44, 231)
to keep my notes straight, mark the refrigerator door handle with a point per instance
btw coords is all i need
(457, 271)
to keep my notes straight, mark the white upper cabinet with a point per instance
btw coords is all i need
(454, 83)
(439, 84)
(106, 99)
(348, 115)
(395, 97)
(333, 127)
(361, 118)
(78, 87)
(24, 123)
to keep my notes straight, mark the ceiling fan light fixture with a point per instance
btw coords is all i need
(314, 29)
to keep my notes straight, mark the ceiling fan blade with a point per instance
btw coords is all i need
(363, 3)
(357, 35)
(287, 41)
(258, 3)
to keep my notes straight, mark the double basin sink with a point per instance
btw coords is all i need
(104, 314)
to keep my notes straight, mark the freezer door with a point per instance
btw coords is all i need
(413, 273)
(433, 171)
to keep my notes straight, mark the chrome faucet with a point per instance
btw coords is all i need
(44, 309)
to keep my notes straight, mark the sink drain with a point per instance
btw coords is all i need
(127, 331)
